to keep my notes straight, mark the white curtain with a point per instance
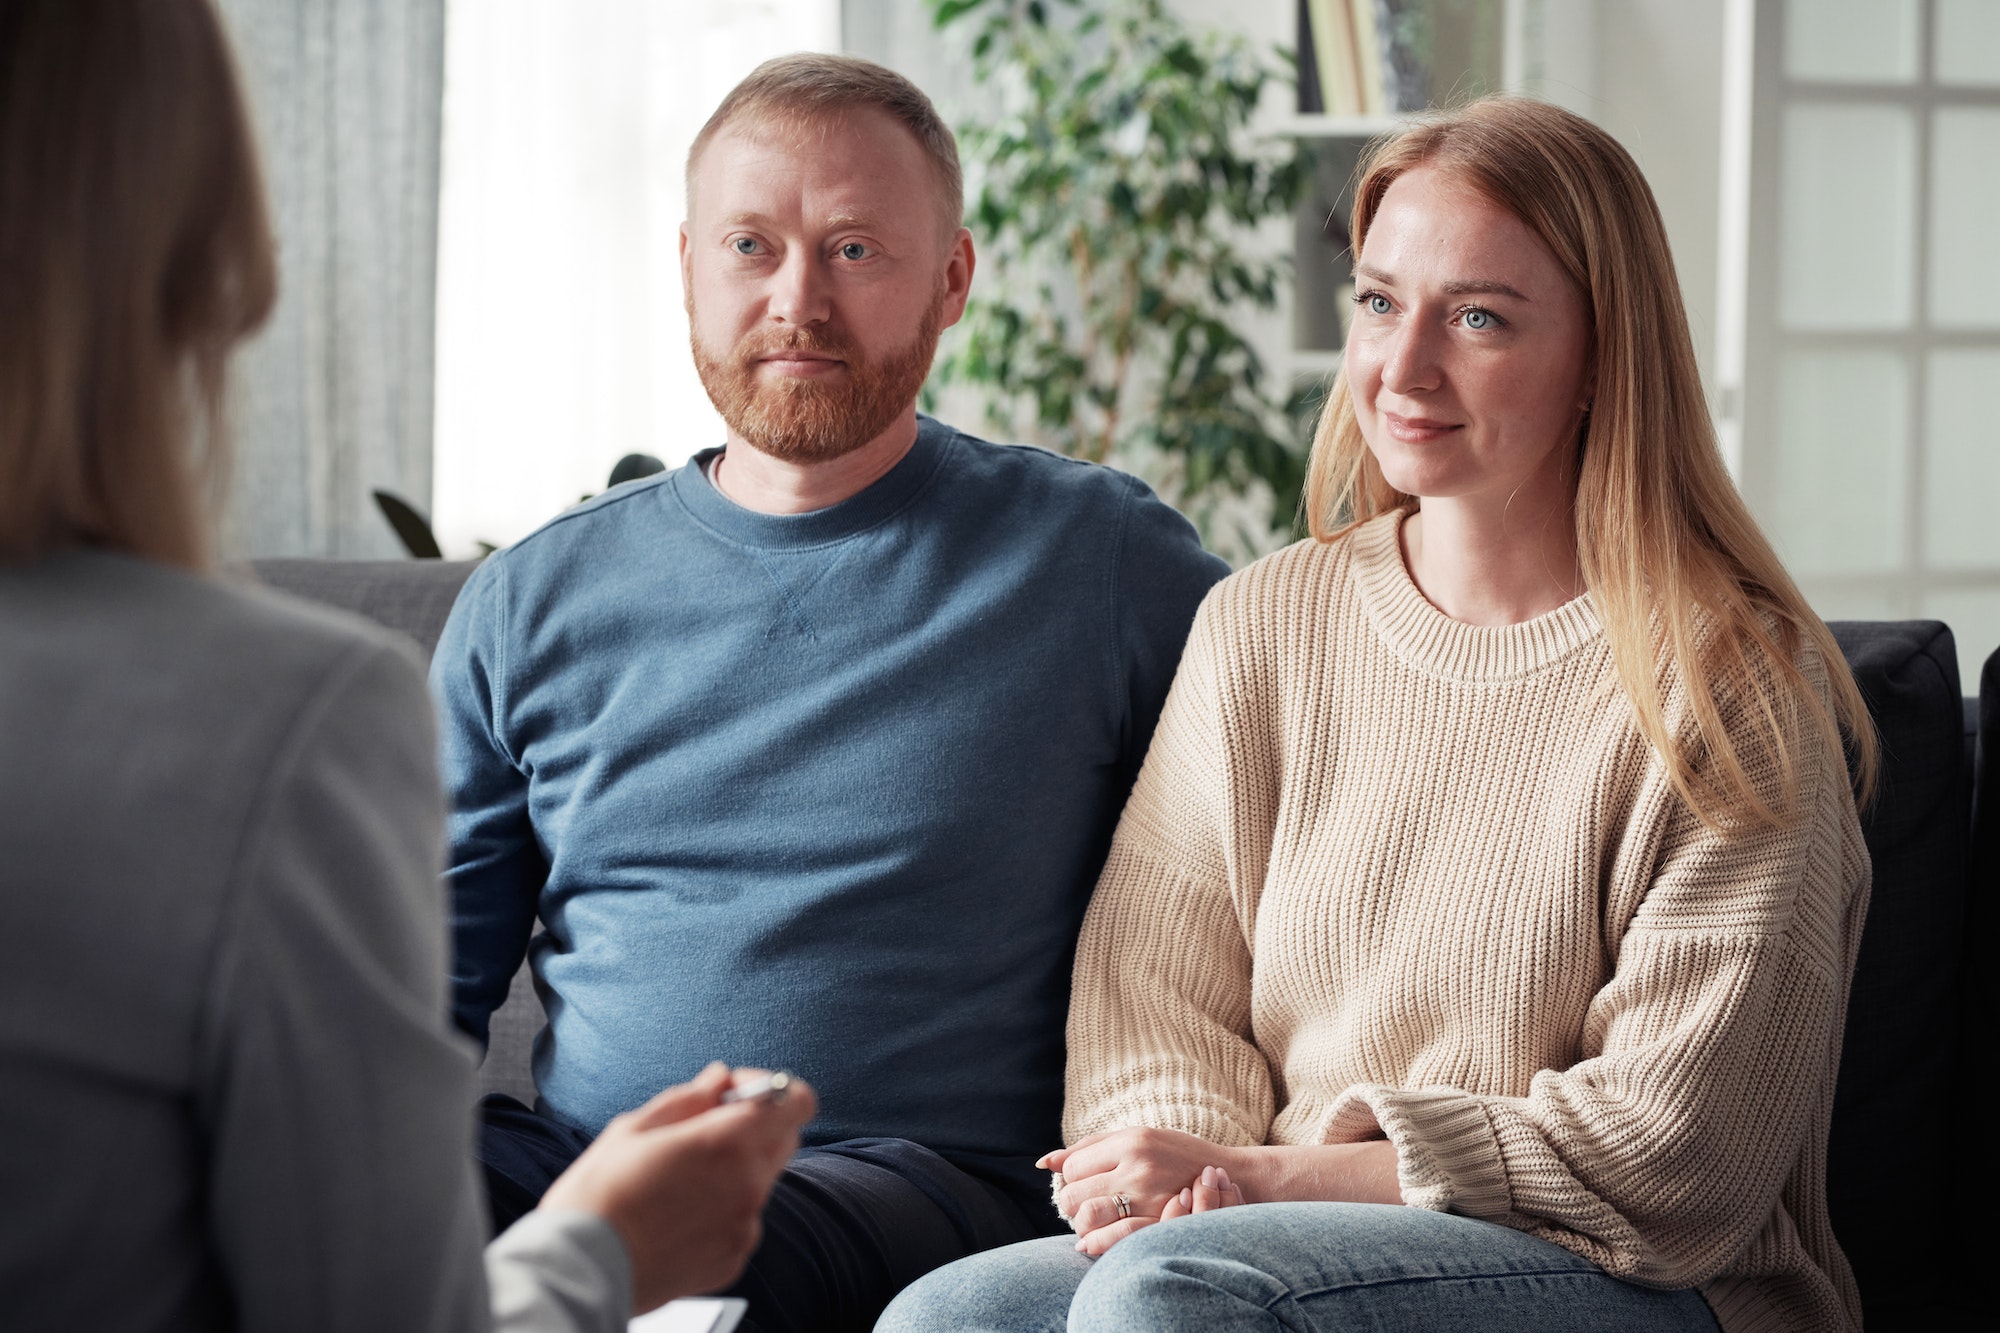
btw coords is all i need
(562, 343)
(333, 398)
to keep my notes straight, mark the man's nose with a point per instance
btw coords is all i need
(799, 291)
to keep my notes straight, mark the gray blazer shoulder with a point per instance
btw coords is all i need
(224, 833)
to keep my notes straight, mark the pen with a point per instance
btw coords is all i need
(769, 1088)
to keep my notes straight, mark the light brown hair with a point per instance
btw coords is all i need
(134, 252)
(812, 90)
(1688, 588)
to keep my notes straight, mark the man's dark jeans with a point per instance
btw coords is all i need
(848, 1226)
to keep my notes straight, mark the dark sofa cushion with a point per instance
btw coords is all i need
(1889, 1183)
(1983, 886)
(1982, 974)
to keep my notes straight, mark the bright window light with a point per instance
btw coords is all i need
(562, 342)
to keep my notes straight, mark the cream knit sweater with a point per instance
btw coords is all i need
(1385, 868)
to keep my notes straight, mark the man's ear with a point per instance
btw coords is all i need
(959, 262)
(687, 268)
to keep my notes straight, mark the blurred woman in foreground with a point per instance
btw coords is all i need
(230, 1099)
(1474, 948)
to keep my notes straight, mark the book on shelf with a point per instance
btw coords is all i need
(1352, 59)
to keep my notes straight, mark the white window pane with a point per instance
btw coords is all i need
(1974, 617)
(1846, 237)
(1965, 217)
(1851, 41)
(1962, 460)
(1968, 42)
(1837, 507)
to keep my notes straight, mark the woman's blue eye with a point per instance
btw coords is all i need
(854, 250)
(1377, 303)
(1476, 318)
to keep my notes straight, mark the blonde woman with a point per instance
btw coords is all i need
(1474, 948)
(228, 1096)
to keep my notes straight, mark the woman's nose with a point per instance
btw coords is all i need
(1410, 358)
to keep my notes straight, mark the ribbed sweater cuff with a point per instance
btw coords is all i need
(1447, 1157)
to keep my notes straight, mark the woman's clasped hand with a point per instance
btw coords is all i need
(1160, 1174)
(1112, 1184)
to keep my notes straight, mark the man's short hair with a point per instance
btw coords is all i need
(812, 89)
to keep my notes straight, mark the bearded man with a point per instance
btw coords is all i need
(807, 755)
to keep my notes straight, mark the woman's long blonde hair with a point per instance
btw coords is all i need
(134, 252)
(1686, 585)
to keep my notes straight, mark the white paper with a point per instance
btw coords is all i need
(695, 1315)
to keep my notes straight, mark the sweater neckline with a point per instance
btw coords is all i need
(1427, 639)
(695, 493)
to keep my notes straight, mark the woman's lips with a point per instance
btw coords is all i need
(1416, 430)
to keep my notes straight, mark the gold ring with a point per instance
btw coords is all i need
(1124, 1206)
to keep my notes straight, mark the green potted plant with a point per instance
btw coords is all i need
(1116, 193)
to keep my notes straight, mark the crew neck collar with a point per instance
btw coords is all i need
(1433, 642)
(889, 493)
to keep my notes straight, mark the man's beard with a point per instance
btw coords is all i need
(805, 420)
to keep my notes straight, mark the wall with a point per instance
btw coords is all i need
(1650, 72)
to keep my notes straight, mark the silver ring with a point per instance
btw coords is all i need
(1124, 1206)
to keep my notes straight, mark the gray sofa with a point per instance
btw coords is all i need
(1912, 1165)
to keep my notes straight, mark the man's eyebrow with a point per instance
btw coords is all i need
(1460, 287)
(834, 221)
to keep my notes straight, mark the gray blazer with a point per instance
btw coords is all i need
(228, 1094)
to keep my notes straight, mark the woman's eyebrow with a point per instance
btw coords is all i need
(1484, 287)
(1458, 287)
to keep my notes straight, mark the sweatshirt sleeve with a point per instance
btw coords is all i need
(494, 868)
(1159, 1025)
(1711, 1052)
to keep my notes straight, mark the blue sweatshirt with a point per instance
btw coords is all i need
(825, 792)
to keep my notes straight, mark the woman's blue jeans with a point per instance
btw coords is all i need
(1299, 1267)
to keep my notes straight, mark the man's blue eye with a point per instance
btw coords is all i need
(743, 245)
(1478, 319)
(854, 250)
